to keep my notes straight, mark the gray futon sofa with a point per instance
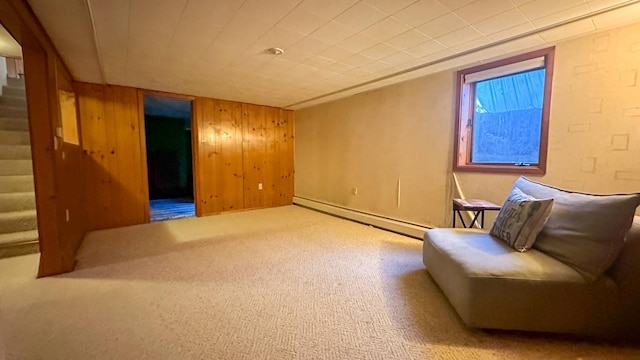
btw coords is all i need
(491, 285)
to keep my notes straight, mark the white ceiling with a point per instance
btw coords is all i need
(333, 48)
(9, 47)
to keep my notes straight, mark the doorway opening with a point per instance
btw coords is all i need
(169, 157)
(18, 216)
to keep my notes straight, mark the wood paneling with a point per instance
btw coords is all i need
(268, 156)
(244, 156)
(57, 167)
(236, 147)
(115, 179)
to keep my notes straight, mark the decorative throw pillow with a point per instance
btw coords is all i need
(585, 231)
(520, 219)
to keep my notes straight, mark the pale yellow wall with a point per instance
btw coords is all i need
(406, 130)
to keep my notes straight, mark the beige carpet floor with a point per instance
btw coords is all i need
(280, 283)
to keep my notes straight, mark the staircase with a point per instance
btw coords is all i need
(18, 222)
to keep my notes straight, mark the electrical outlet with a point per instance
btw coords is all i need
(259, 186)
(354, 191)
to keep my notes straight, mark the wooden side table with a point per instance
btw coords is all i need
(478, 207)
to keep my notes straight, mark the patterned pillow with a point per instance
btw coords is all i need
(520, 220)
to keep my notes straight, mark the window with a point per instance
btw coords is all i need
(502, 117)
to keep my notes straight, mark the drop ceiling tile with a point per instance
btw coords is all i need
(470, 45)
(318, 62)
(295, 55)
(512, 32)
(326, 8)
(540, 8)
(391, 6)
(596, 5)
(411, 63)
(243, 30)
(459, 36)
(270, 11)
(336, 53)
(358, 60)
(442, 25)
(360, 16)
(279, 37)
(358, 42)
(506, 20)
(309, 44)
(561, 16)
(375, 67)
(456, 4)
(482, 10)
(398, 58)
(379, 51)
(386, 29)
(581, 27)
(333, 32)
(303, 21)
(626, 15)
(73, 38)
(421, 12)
(408, 39)
(427, 48)
(339, 67)
(152, 33)
(522, 2)
(358, 74)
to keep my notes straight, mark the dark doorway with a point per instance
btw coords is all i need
(169, 157)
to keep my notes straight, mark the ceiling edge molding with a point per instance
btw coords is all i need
(95, 41)
(366, 86)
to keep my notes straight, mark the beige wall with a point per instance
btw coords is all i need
(405, 131)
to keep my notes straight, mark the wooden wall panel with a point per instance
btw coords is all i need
(205, 158)
(253, 119)
(57, 167)
(230, 150)
(285, 146)
(237, 148)
(268, 156)
(116, 180)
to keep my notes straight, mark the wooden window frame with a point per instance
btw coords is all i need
(465, 93)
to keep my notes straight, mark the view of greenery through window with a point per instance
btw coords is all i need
(507, 119)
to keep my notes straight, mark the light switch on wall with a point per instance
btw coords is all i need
(259, 186)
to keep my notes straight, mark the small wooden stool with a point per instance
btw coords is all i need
(478, 207)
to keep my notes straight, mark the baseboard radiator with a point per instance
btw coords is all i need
(398, 226)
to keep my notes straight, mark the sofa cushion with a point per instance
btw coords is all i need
(520, 220)
(493, 286)
(585, 231)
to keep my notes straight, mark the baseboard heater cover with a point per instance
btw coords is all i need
(398, 226)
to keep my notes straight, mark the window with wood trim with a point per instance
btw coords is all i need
(502, 117)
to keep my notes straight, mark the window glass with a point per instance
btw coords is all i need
(507, 119)
(502, 118)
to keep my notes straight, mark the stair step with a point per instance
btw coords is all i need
(17, 221)
(17, 201)
(18, 237)
(15, 152)
(15, 167)
(11, 137)
(16, 183)
(16, 124)
(14, 91)
(13, 101)
(13, 111)
(15, 82)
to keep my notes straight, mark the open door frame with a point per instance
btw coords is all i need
(143, 145)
